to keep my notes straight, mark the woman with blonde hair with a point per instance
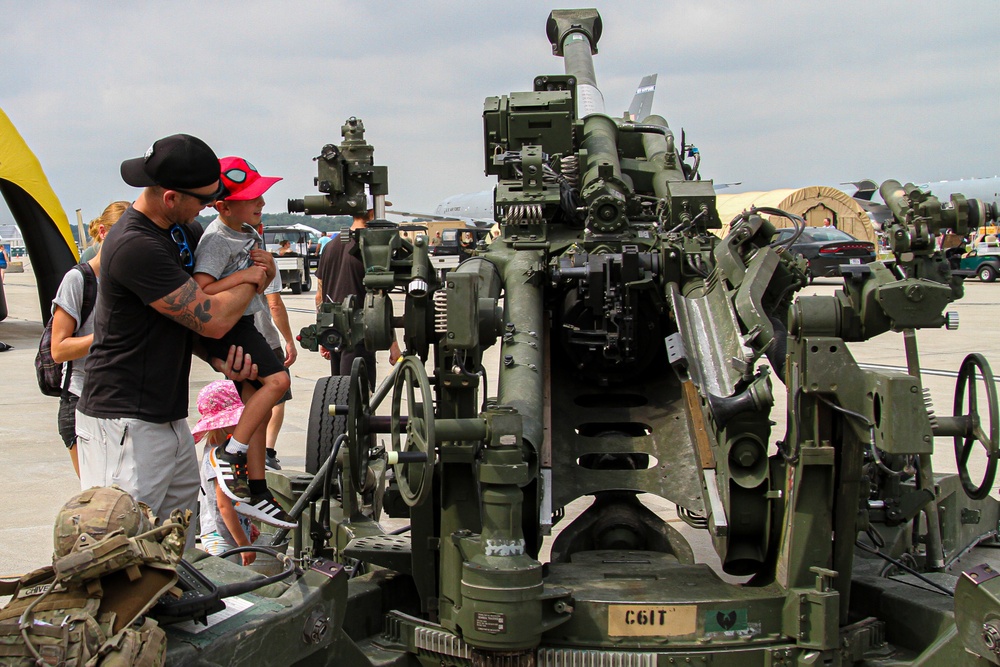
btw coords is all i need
(101, 225)
(71, 337)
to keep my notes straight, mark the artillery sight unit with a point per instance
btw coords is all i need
(639, 356)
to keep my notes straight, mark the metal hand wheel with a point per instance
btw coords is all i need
(966, 387)
(413, 460)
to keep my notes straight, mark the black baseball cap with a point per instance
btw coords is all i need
(177, 161)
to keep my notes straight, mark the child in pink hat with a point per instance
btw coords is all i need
(221, 527)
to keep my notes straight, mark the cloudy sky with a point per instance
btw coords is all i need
(785, 94)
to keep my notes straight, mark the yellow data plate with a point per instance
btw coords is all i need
(631, 620)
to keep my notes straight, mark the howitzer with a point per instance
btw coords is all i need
(637, 360)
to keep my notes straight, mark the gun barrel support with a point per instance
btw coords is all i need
(520, 381)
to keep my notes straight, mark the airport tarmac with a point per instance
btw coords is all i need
(39, 477)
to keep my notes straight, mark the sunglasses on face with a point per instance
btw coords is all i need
(179, 237)
(204, 200)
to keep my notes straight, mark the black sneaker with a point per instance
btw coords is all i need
(230, 472)
(271, 461)
(266, 509)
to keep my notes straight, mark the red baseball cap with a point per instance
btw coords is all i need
(242, 180)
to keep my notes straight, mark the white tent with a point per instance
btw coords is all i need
(305, 228)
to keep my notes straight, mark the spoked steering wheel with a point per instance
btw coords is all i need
(975, 368)
(413, 459)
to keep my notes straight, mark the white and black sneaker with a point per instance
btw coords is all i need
(264, 508)
(230, 472)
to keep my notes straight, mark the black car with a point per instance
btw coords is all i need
(826, 249)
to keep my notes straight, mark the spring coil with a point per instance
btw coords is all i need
(440, 312)
(570, 168)
(519, 214)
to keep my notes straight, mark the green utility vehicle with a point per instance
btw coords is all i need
(983, 262)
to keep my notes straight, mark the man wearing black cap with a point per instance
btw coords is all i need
(132, 416)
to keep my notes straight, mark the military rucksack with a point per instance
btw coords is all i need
(110, 566)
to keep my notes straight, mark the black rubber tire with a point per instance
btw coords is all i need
(307, 284)
(324, 429)
(986, 273)
(296, 288)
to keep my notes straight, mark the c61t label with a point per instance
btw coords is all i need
(629, 620)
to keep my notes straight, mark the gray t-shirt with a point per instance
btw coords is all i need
(69, 297)
(223, 251)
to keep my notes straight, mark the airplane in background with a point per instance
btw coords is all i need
(642, 102)
(476, 208)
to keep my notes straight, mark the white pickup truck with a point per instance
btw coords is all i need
(296, 268)
(294, 272)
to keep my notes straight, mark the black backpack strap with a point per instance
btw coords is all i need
(89, 291)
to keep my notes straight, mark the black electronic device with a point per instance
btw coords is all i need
(199, 598)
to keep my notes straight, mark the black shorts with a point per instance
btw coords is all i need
(244, 334)
(67, 419)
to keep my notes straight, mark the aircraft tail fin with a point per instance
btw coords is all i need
(866, 188)
(642, 103)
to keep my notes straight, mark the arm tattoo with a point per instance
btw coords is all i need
(183, 308)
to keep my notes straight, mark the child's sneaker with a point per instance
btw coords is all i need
(271, 460)
(265, 508)
(230, 472)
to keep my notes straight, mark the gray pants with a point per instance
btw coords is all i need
(156, 463)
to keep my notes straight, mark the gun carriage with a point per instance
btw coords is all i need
(638, 357)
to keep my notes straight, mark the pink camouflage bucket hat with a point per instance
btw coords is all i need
(220, 406)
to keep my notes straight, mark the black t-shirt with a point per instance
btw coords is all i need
(140, 361)
(341, 271)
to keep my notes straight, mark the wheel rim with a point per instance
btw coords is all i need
(967, 398)
(411, 383)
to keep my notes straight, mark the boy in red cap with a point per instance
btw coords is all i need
(222, 253)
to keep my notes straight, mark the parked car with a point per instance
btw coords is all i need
(983, 261)
(827, 248)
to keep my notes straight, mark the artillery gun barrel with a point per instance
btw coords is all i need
(574, 34)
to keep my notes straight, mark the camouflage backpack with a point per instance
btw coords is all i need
(109, 567)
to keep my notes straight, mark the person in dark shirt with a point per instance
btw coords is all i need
(132, 415)
(342, 273)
